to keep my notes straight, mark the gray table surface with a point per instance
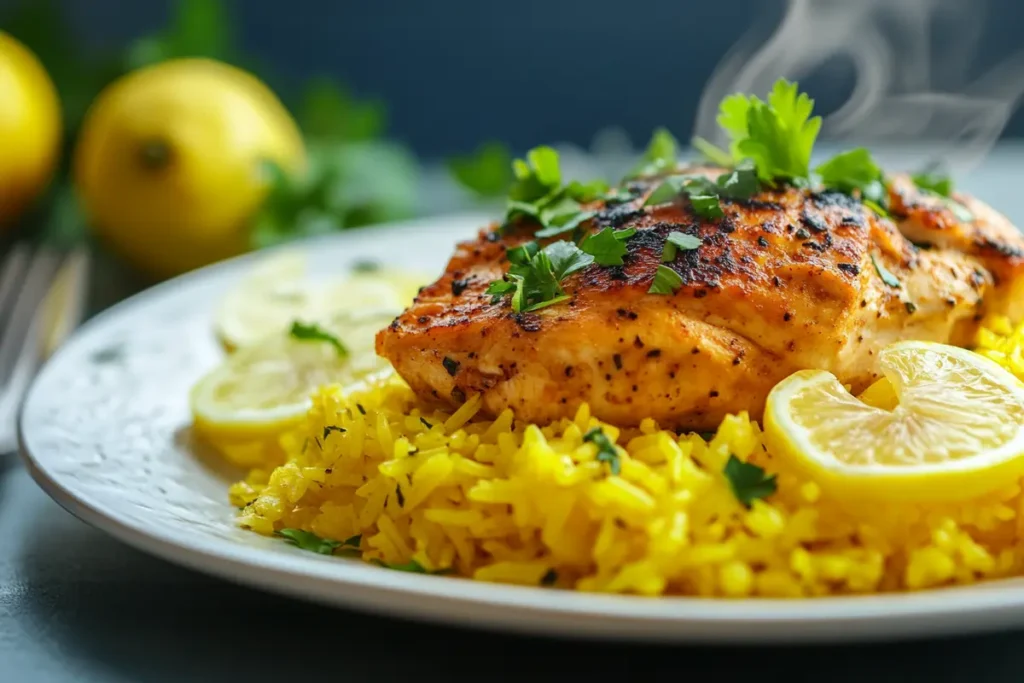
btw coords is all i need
(77, 606)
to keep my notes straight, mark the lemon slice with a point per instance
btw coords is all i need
(276, 293)
(266, 302)
(955, 432)
(262, 390)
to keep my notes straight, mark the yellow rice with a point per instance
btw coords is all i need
(498, 500)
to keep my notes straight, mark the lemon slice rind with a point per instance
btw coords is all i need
(967, 475)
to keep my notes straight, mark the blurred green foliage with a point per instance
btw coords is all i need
(356, 176)
(487, 172)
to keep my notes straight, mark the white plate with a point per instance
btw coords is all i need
(105, 431)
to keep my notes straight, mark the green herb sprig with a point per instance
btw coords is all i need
(748, 481)
(313, 332)
(307, 540)
(678, 241)
(534, 277)
(608, 246)
(606, 450)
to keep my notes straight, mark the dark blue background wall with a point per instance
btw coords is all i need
(457, 72)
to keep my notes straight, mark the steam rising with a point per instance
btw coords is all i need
(911, 60)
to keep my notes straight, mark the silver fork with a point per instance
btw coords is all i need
(35, 314)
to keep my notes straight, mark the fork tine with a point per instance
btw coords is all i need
(10, 273)
(16, 331)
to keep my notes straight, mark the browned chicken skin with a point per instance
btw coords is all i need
(784, 281)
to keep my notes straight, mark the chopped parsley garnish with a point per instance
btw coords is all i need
(666, 281)
(485, 172)
(880, 210)
(606, 451)
(883, 272)
(854, 171)
(748, 482)
(942, 186)
(451, 366)
(668, 190)
(678, 240)
(412, 566)
(661, 155)
(608, 246)
(307, 540)
(704, 193)
(313, 332)
(777, 135)
(538, 193)
(535, 274)
(711, 152)
(935, 183)
(739, 183)
(706, 205)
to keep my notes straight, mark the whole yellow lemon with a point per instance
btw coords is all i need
(30, 128)
(168, 167)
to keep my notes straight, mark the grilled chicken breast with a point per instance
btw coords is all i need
(787, 280)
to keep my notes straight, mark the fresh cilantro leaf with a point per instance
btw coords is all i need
(306, 540)
(534, 274)
(666, 281)
(498, 289)
(607, 247)
(854, 171)
(748, 481)
(588, 191)
(661, 155)
(536, 177)
(667, 191)
(412, 566)
(883, 272)
(711, 152)
(518, 292)
(543, 161)
(606, 451)
(523, 254)
(934, 182)
(777, 136)
(732, 117)
(706, 205)
(678, 240)
(740, 183)
(352, 541)
(566, 225)
(313, 332)
(566, 258)
(879, 210)
(486, 172)
(942, 186)
(538, 193)
(549, 302)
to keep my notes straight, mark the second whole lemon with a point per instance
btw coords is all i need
(30, 128)
(169, 165)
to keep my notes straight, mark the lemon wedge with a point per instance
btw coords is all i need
(262, 390)
(276, 293)
(956, 430)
